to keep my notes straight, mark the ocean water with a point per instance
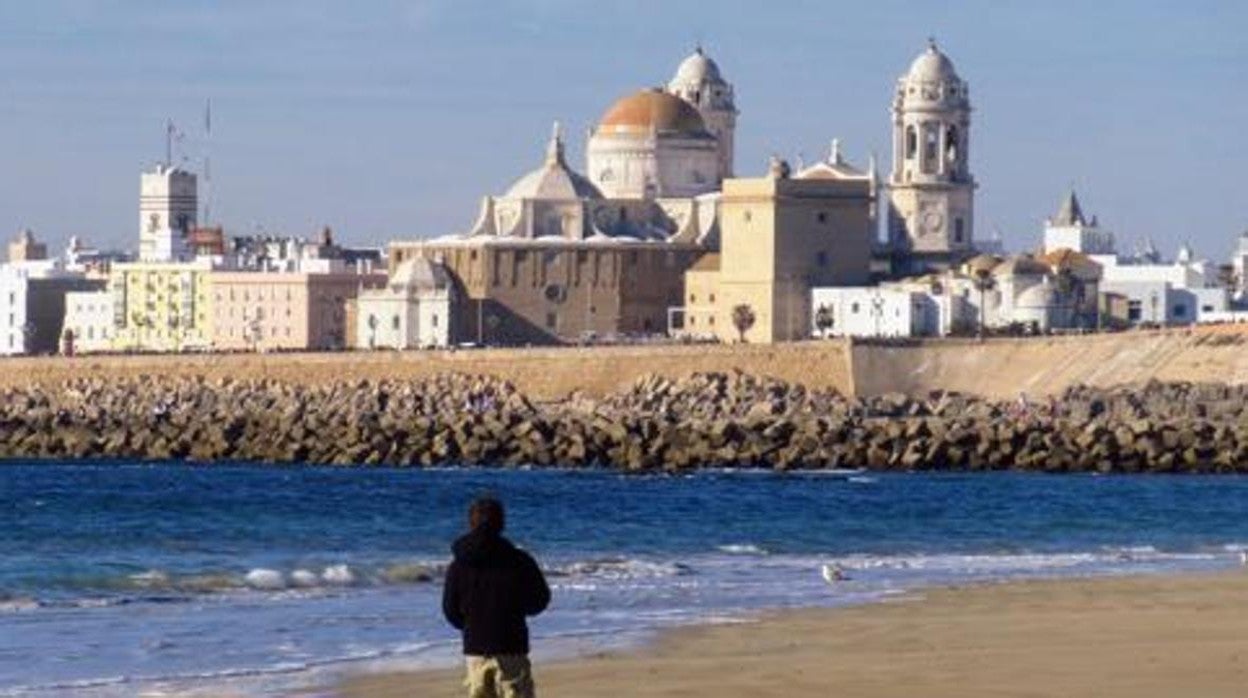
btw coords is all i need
(123, 580)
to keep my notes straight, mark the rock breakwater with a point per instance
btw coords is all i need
(706, 420)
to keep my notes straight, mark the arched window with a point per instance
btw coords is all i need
(930, 144)
(952, 146)
(912, 143)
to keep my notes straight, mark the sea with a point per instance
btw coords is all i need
(123, 579)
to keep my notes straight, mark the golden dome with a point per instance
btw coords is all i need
(653, 109)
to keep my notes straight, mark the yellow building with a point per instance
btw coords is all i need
(782, 235)
(161, 306)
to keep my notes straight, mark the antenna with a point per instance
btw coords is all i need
(170, 130)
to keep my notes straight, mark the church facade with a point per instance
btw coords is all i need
(660, 236)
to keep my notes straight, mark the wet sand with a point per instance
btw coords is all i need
(1143, 637)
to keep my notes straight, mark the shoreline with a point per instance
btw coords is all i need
(1140, 635)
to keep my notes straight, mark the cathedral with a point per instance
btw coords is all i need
(659, 235)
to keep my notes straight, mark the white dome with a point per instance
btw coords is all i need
(554, 179)
(932, 66)
(697, 69)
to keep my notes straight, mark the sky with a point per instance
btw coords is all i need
(387, 119)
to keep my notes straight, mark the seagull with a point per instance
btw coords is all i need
(833, 573)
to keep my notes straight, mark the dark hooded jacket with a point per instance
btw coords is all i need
(491, 586)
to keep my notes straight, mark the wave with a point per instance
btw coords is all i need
(741, 549)
(621, 568)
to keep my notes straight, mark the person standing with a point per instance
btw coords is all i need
(491, 588)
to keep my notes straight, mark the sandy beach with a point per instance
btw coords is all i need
(1144, 637)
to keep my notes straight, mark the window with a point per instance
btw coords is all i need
(1134, 310)
(693, 320)
(632, 258)
(711, 321)
(822, 216)
(1180, 310)
(853, 308)
(693, 298)
(957, 230)
(1206, 308)
(912, 142)
(929, 150)
(822, 258)
(434, 320)
(394, 322)
(552, 319)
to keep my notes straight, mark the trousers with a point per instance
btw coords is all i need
(499, 676)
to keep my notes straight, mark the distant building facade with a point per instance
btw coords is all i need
(32, 305)
(161, 306)
(554, 260)
(90, 322)
(261, 310)
(781, 236)
(26, 249)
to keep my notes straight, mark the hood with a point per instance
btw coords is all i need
(480, 548)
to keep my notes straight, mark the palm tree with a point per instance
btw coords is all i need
(742, 319)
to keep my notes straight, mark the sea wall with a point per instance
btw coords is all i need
(707, 419)
(541, 373)
(1000, 368)
(1040, 366)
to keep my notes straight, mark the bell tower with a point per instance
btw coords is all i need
(699, 82)
(931, 216)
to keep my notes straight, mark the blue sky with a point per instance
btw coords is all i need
(390, 119)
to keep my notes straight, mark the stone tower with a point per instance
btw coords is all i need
(168, 204)
(699, 82)
(931, 217)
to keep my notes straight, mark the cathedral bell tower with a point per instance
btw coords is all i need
(699, 82)
(931, 216)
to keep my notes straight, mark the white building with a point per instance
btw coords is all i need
(90, 316)
(412, 311)
(168, 205)
(32, 304)
(1175, 293)
(1181, 292)
(861, 311)
(1070, 230)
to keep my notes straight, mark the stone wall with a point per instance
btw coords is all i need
(541, 373)
(997, 368)
(1048, 365)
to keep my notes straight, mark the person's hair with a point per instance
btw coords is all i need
(486, 513)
